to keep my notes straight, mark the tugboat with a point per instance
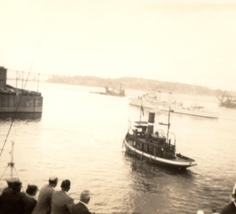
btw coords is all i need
(119, 92)
(227, 100)
(155, 147)
(115, 91)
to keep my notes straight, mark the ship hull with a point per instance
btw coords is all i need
(178, 110)
(109, 94)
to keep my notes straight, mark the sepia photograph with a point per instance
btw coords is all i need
(117, 107)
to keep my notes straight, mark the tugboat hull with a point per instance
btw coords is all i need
(110, 94)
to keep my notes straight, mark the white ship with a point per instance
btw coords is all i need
(153, 100)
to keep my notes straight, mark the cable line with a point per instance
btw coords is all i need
(31, 66)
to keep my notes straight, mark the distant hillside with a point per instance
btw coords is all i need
(135, 83)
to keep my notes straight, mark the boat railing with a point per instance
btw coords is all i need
(171, 133)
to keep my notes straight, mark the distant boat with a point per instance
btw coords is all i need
(156, 147)
(18, 100)
(120, 92)
(152, 100)
(227, 100)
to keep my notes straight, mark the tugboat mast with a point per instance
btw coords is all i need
(168, 129)
(167, 124)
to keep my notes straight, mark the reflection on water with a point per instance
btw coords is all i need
(21, 116)
(143, 177)
(79, 137)
(156, 186)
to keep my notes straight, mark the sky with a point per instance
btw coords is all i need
(192, 42)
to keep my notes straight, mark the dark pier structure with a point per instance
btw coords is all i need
(18, 100)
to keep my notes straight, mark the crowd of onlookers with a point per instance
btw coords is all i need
(50, 201)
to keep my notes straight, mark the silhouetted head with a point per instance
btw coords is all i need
(10, 181)
(16, 186)
(65, 185)
(53, 181)
(32, 190)
(85, 196)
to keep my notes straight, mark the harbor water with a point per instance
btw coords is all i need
(79, 137)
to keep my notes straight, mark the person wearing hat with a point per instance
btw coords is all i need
(45, 197)
(11, 201)
(231, 207)
(61, 202)
(10, 182)
(81, 207)
(29, 201)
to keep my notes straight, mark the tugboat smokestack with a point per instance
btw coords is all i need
(151, 121)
